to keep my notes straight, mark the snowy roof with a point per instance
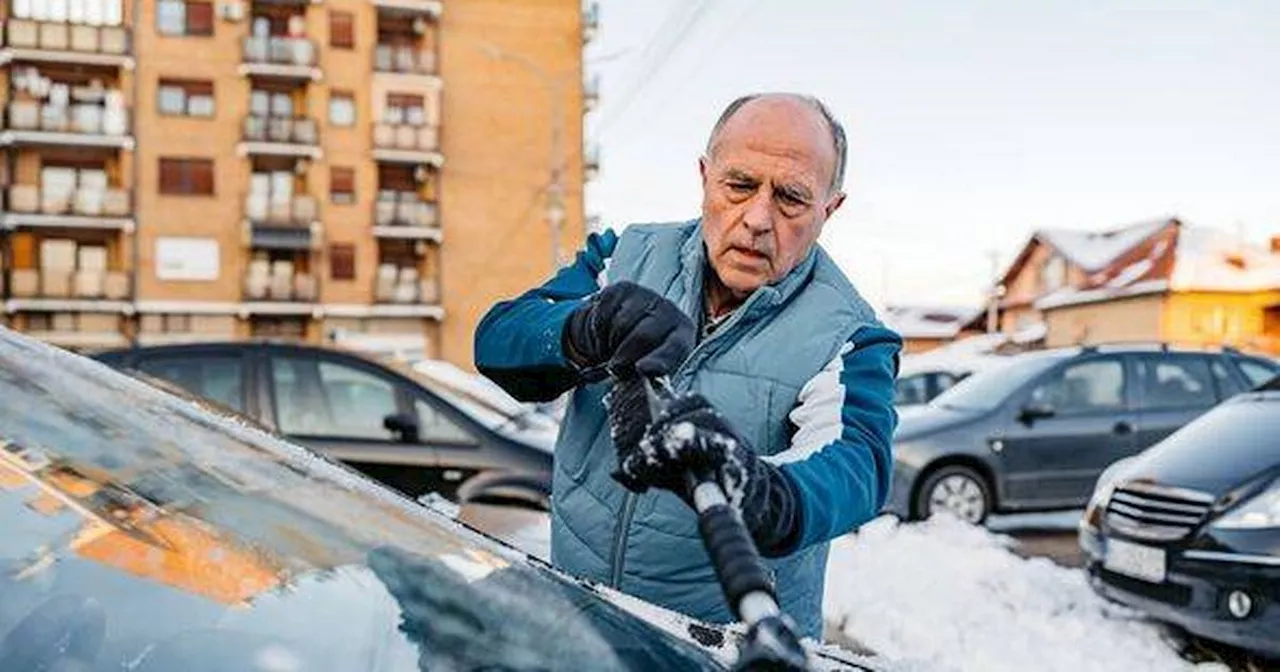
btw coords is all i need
(1181, 258)
(1094, 250)
(928, 321)
(966, 355)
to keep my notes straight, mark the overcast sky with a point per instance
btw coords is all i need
(971, 123)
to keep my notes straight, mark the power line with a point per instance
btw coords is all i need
(656, 53)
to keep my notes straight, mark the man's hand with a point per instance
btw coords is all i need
(628, 329)
(690, 436)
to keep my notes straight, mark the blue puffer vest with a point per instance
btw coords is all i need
(752, 368)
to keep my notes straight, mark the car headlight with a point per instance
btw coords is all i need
(1262, 511)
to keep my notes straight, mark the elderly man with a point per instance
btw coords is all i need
(775, 351)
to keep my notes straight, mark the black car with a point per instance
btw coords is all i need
(1189, 531)
(142, 532)
(376, 415)
(1034, 431)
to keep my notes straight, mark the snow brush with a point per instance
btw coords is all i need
(771, 642)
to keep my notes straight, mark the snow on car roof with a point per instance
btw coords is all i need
(963, 356)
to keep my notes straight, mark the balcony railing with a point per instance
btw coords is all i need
(403, 285)
(428, 7)
(68, 42)
(403, 59)
(279, 56)
(404, 209)
(590, 22)
(278, 281)
(406, 143)
(299, 211)
(33, 286)
(84, 207)
(283, 130)
(84, 124)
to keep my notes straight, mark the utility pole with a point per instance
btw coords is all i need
(994, 293)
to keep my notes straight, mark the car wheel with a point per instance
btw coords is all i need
(958, 490)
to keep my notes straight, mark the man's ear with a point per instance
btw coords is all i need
(833, 204)
(702, 170)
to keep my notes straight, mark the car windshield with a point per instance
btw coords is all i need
(143, 533)
(987, 389)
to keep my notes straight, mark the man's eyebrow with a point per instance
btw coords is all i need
(739, 175)
(798, 191)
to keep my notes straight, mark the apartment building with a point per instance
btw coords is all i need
(376, 170)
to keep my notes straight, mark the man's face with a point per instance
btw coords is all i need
(766, 185)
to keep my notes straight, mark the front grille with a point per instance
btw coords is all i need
(1155, 512)
(1174, 594)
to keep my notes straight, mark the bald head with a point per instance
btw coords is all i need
(793, 109)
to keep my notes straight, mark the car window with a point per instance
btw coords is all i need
(1083, 387)
(327, 399)
(216, 377)
(987, 389)
(1174, 381)
(1256, 372)
(436, 426)
(911, 390)
(1227, 384)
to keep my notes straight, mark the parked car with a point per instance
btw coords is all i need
(1189, 530)
(923, 376)
(1034, 432)
(385, 419)
(143, 532)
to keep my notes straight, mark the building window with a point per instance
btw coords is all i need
(342, 185)
(342, 109)
(1053, 275)
(186, 177)
(404, 108)
(186, 98)
(342, 30)
(184, 17)
(342, 261)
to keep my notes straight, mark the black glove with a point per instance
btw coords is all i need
(627, 329)
(691, 436)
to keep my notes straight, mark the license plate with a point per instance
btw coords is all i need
(1140, 562)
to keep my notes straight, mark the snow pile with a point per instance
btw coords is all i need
(1093, 251)
(955, 595)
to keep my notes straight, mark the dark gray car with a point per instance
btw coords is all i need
(1034, 433)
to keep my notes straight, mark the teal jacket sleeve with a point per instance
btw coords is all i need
(840, 461)
(518, 341)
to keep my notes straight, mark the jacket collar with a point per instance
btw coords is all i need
(693, 265)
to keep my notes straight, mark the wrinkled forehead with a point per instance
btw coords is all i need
(785, 133)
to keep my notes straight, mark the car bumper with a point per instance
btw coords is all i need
(1194, 596)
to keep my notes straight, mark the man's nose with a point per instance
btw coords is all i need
(759, 215)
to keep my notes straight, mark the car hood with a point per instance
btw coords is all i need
(915, 422)
(1230, 445)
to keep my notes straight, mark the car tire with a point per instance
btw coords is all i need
(955, 488)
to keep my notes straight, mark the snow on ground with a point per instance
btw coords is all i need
(957, 596)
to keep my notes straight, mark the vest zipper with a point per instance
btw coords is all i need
(623, 529)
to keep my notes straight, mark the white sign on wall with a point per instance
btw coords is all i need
(187, 259)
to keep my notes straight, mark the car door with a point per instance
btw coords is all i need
(1065, 429)
(460, 452)
(1172, 390)
(216, 373)
(352, 411)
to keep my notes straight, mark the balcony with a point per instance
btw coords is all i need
(405, 216)
(84, 208)
(277, 288)
(591, 93)
(276, 224)
(400, 291)
(407, 143)
(591, 162)
(280, 136)
(54, 42)
(71, 125)
(280, 57)
(68, 290)
(431, 8)
(404, 60)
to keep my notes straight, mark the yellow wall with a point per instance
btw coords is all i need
(1223, 319)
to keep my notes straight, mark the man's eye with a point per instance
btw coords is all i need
(742, 187)
(791, 200)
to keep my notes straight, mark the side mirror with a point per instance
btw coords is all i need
(402, 424)
(1032, 412)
